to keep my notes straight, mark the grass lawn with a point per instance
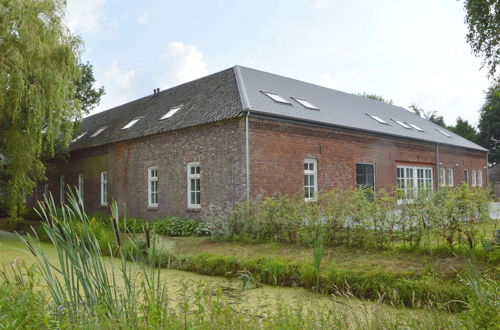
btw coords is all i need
(395, 262)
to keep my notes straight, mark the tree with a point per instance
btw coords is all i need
(375, 97)
(85, 91)
(489, 124)
(38, 99)
(429, 115)
(483, 22)
(464, 129)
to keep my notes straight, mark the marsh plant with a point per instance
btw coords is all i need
(80, 282)
(449, 217)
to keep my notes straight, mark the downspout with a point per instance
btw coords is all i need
(247, 156)
(438, 167)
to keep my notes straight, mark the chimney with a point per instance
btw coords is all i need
(154, 91)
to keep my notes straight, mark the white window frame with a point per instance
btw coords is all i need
(314, 186)
(411, 185)
(81, 185)
(195, 176)
(153, 186)
(473, 178)
(305, 103)
(480, 178)
(442, 176)
(131, 123)
(276, 97)
(46, 189)
(62, 190)
(377, 118)
(466, 176)
(104, 188)
(451, 177)
(171, 112)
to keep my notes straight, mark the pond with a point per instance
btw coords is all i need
(258, 301)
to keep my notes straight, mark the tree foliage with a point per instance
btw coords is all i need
(431, 116)
(38, 68)
(88, 95)
(489, 124)
(375, 97)
(465, 129)
(483, 22)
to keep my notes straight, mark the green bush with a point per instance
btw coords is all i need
(175, 226)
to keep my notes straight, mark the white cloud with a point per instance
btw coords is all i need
(144, 18)
(183, 63)
(118, 86)
(84, 15)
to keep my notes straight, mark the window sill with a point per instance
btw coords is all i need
(192, 209)
(102, 206)
(152, 208)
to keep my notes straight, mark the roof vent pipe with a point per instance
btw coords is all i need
(154, 91)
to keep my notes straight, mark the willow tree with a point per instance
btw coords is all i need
(39, 61)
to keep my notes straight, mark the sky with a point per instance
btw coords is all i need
(413, 52)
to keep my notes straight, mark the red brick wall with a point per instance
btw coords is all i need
(219, 147)
(278, 151)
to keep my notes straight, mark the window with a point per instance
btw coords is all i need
(377, 118)
(412, 180)
(451, 177)
(310, 179)
(80, 185)
(171, 112)
(62, 190)
(442, 176)
(104, 188)
(79, 137)
(416, 127)
(153, 186)
(194, 185)
(276, 97)
(306, 103)
(131, 123)
(365, 175)
(99, 131)
(443, 132)
(402, 124)
(466, 176)
(473, 177)
(46, 189)
(480, 178)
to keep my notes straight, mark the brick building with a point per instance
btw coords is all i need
(241, 133)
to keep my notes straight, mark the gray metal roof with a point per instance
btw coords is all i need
(232, 92)
(336, 108)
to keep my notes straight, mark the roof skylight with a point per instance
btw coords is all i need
(443, 132)
(79, 137)
(306, 103)
(99, 131)
(402, 123)
(377, 118)
(276, 97)
(416, 127)
(171, 112)
(132, 123)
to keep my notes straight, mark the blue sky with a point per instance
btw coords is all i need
(407, 51)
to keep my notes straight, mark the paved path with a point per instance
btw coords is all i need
(495, 210)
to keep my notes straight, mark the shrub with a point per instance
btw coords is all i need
(175, 226)
(215, 223)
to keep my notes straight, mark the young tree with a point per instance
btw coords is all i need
(483, 22)
(489, 124)
(38, 100)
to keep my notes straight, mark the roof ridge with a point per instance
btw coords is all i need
(240, 83)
